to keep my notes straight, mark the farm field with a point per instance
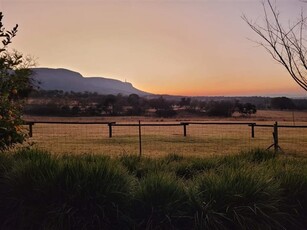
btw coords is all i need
(201, 140)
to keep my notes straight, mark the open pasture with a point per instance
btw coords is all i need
(201, 140)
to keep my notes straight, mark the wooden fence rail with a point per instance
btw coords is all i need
(31, 123)
(182, 124)
(275, 127)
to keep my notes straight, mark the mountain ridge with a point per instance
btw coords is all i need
(68, 80)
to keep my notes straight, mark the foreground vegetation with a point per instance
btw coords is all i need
(253, 190)
(15, 85)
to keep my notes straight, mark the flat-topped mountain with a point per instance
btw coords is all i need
(67, 80)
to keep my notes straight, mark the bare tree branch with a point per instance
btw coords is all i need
(286, 45)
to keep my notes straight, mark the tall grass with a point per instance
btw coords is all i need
(251, 190)
(40, 191)
(160, 202)
(234, 199)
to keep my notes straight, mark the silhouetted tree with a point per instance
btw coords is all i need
(159, 103)
(109, 104)
(166, 113)
(220, 108)
(185, 101)
(282, 103)
(300, 104)
(75, 110)
(15, 85)
(246, 109)
(134, 99)
(286, 44)
(135, 102)
(163, 107)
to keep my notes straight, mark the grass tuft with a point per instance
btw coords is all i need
(233, 199)
(252, 190)
(159, 202)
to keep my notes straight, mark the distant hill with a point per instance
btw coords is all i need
(67, 80)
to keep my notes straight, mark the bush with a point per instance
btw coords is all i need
(235, 199)
(160, 202)
(92, 195)
(15, 84)
(293, 182)
(282, 103)
(246, 109)
(41, 191)
(220, 108)
(166, 113)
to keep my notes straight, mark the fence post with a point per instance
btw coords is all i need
(31, 129)
(275, 136)
(184, 128)
(275, 139)
(140, 140)
(110, 128)
(253, 129)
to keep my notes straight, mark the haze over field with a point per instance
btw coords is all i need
(195, 47)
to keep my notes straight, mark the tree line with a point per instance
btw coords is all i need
(60, 103)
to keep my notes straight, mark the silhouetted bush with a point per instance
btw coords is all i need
(282, 103)
(220, 108)
(246, 109)
(166, 113)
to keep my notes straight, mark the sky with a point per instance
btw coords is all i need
(179, 47)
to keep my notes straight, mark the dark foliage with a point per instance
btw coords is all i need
(220, 108)
(246, 109)
(252, 190)
(282, 103)
(15, 85)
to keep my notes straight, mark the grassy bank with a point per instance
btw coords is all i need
(251, 190)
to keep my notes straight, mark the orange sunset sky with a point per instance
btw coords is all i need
(183, 47)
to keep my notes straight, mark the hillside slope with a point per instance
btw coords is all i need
(67, 80)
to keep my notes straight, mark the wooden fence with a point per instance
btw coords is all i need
(111, 125)
(114, 124)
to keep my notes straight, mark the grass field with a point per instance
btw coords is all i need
(222, 186)
(160, 141)
(250, 190)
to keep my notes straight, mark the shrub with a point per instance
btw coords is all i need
(15, 84)
(220, 108)
(41, 191)
(293, 182)
(160, 202)
(166, 112)
(282, 103)
(194, 167)
(25, 190)
(238, 199)
(246, 109)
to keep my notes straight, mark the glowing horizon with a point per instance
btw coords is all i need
(191, 48)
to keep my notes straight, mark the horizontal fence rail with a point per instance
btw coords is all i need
(271, 137)
(219, 123)
(114, 124)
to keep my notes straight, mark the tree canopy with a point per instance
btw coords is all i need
(15, 85)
